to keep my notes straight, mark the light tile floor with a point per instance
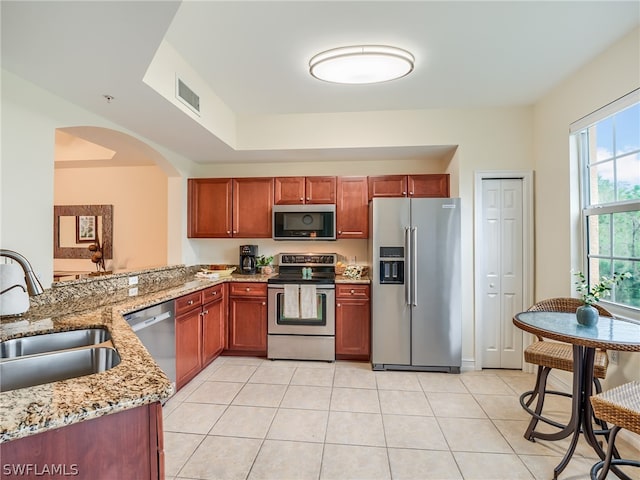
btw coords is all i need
(251, 418)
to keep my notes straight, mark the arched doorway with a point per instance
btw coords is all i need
(101, 166)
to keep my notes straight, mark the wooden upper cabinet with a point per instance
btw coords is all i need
(352, 207)
(388, 186)
(320, 190)
(431, 185)
(252, 207)
(426, 185)
(209, 207)
(301, 190)
(288, 190)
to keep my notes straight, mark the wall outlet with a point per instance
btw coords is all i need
(614, 357)
(133, 280)
(133, 291)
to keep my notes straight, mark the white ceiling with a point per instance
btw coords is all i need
(254, 56)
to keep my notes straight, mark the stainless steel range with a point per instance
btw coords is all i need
(301, 308)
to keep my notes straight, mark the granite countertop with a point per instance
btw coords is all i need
(136, 381)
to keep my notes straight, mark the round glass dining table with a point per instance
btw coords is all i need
(608, 334)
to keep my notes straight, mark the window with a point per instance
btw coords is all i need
(608, 144)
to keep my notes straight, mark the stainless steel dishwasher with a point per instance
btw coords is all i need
(156, 329)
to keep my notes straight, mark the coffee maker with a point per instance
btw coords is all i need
(248, 263)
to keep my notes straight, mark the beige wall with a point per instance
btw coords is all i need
(608, 77)
(611, 75)
(30, 118)
(139, 199)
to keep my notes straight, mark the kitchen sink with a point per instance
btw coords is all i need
(27, 371)
(51, 342)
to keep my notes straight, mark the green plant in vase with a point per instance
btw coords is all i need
(592, 294)
(264, 264)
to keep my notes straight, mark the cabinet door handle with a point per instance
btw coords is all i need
(206, 312)
(301, 199)
(214, 293)
(352, 292)
(338, 305)
(340, 232)
(264, 303)
(308, 199)
(410, 193)
(228, 232)
(248, 289)
(190, 302)
(404, 193)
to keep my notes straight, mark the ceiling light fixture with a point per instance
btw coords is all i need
(361, 64)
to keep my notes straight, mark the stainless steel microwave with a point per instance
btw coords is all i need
(304, 222)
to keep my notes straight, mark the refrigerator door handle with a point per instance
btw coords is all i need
(408, 284)
(414, 266)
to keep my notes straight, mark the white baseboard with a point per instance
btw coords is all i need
(468, 366)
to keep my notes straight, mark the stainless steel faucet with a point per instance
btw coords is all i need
(34, 287)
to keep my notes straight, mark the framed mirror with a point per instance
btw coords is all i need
(75, 227)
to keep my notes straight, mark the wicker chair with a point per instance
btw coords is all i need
(619, 406)
(549, 355)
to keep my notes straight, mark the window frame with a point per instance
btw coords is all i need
(579, 134)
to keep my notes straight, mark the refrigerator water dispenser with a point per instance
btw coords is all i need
(392, 265)
(392, 271)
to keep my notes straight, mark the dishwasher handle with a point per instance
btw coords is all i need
(150, 321)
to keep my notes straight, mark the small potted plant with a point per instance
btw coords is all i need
(587, 314)
(264, 264)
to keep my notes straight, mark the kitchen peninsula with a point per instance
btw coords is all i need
(111, 419)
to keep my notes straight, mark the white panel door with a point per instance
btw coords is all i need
(502, 252)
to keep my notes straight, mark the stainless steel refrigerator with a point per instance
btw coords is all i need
(414, 250)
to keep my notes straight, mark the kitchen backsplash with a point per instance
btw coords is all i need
(219, 251)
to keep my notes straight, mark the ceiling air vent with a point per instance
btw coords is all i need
(187, 96)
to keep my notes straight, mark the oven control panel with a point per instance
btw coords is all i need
(307, 259)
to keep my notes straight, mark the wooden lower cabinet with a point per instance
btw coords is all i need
(201, 319)
(248, 318)
(188, 346)
(127, 444)
(353, 322)
(213, 329)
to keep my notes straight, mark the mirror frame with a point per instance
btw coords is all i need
(104, 211)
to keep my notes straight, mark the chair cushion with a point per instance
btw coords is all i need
(560, 356)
